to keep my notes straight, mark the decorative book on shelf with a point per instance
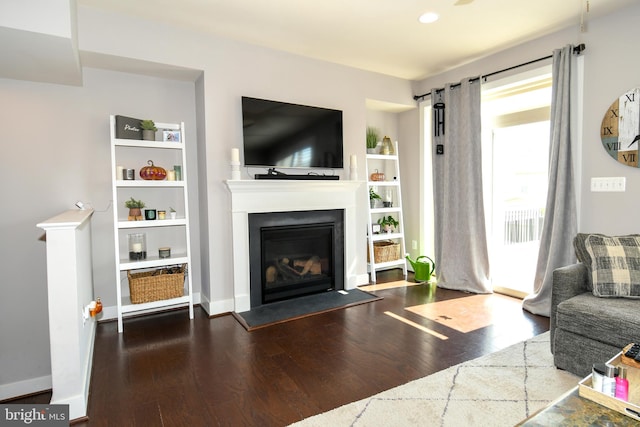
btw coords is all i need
(128, 128)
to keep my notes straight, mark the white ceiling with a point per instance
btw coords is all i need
(377, 35)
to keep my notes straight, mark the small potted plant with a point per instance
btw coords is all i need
(148, 130)
(373, 196)
(172, 213)
(372, 139)
(135, 209)
(388, 223)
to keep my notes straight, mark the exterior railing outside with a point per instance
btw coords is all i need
(523, 225)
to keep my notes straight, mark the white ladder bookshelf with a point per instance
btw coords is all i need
(390, 205)
(162, 195)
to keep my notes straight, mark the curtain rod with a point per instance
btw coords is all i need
(577, 50)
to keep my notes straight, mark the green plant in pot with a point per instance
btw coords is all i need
(373, 196)
(148, 130)
(135, 209)
(372, 139)
(388, 223)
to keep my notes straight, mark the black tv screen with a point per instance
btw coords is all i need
(279, 134)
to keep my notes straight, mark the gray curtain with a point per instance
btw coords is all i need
(461, 255)
(560, 223)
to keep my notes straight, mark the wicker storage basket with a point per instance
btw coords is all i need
(384, 251)
(155, 285)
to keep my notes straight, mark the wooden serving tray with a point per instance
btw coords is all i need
(630, 408)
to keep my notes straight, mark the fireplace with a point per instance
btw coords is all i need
(249, 197)
(295, 253)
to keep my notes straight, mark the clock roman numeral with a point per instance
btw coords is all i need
(613, 146)
(607, 130)
(629, 158)
(614, 113)
(631, 96)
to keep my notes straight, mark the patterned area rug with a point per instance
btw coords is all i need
(500, 389)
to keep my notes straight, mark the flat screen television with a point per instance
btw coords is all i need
(283, 135)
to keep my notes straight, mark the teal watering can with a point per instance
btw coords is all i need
(422, 268)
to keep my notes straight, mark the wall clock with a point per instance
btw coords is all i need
(620, 130)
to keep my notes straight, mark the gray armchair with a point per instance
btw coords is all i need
(585, 329)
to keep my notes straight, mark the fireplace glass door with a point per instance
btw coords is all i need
(296, 260)
(295, 253)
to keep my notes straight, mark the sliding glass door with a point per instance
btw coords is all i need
(516, 151)
(519, 180)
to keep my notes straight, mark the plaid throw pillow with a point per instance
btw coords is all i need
(615, 265)
(579, 244)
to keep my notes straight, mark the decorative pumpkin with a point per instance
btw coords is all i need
(377, 176)
(153, 172)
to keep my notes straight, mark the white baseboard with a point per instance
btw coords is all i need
(218, 307)
(111, 312)
(24, 387)
(108, 313)
(205, 303)
(362, 279)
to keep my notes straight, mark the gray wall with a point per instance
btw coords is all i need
(610, 68)
(232, 70)
(56, 151)
(56, 147)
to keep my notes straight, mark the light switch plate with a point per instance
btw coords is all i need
(601, 184)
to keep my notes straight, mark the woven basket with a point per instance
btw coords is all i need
(156, 285)
(384, 251)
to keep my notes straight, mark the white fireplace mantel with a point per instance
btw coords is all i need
(254, 196)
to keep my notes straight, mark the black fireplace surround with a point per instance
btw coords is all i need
(295, 253)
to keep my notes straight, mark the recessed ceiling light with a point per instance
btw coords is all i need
(428, 18)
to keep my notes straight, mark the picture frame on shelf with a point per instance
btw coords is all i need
(376, 228)
(171, 136)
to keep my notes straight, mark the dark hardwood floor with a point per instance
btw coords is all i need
(167, 370)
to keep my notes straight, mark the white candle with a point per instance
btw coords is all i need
(119, 172)
(235, 155)
(354, 161)
(171, 175)
(137, 247)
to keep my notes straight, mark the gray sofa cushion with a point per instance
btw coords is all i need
(577, 353)
(615, 265)
(613, 321)
(568, 281)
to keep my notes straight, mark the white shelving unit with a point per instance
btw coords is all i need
(385, 163)
(160, 195)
